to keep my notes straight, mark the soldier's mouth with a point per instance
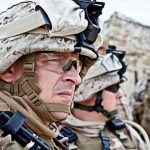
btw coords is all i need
(65, 94)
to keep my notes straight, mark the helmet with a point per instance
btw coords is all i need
(120, 54)
(44, 27)
(102, 74)
(32, 37)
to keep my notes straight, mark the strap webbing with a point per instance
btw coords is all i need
(83, 107)
(58, 108)
(15, 106)
(97, 107)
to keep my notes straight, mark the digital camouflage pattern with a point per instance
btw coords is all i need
(141, 104)
(88, 132)
(145, 122)
(33, 123)
(88, 135)
(38, 40)
(102, 74)
(94, 85)
(13, 48)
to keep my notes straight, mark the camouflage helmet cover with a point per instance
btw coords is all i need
(98, 77)
(24, 30)
(104, 64)
(66, 21)
(92, 86)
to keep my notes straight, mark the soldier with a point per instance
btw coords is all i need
(141, 106)
(93, 117)
(124, 110)
(40, 61)
(146, 113)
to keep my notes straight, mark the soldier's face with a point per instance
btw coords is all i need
(111, 100)
(57, 85)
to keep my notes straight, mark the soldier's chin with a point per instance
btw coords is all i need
(60, 115)
(118, 106)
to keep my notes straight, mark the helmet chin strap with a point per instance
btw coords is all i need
(97, 107)
(26, 85)
(100, 108)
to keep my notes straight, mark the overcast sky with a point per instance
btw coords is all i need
(139, 10)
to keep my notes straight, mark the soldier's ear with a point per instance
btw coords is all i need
(14, 72)
(8, 75)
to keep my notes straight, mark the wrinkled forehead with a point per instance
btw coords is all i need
(57, 55)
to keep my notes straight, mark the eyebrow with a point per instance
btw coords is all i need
(64, 54)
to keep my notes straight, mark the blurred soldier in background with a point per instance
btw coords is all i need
(92, 122)
(145, 122)
(40, 62)
(141, 104)
(124, 111)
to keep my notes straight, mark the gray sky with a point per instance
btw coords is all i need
(139, 10)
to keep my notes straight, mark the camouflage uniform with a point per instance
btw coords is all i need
(146, 114)
(27, 28)
(141, 105)
(98, 135)
(89, 138)
(137, 100)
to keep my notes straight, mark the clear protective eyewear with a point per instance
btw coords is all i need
(105, 64)
(58, 63)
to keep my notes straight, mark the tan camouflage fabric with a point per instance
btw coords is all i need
(136, 138)
(6, 142)
(88, 135)
(102, 74)
(13, 48)
(137, 101)
(87, 143)
(145, 122)
(104, 64)
(141, 104)
(85, 128)
(65, 20)
(93, 85)
(139, 90)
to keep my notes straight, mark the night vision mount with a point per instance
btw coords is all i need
(113, 49)
(92, 10)
(120, 54)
